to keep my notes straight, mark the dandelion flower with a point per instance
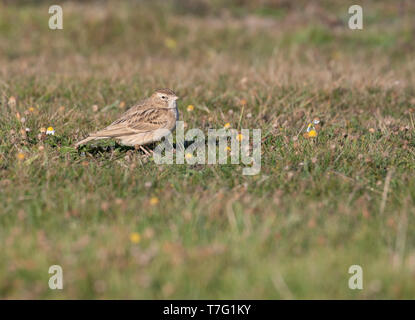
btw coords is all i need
(227, 125)
(227, 148)
(50, 131)
(154, 201)
(243, 102)
(190, 107)
(312, 128)
(31, 109)
(240, 137)
(135, 237)
(312, 133)
(189, 156)
(20, 156)
(170, 43)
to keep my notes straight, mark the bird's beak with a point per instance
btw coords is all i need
(175, 98)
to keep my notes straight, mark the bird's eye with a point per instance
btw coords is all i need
(163, 97)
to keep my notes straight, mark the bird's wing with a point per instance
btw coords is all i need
(138, 119)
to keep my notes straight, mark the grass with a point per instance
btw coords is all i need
(316, 208)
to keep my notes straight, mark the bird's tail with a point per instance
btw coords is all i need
(84, 141)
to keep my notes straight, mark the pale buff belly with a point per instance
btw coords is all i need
(153, 136)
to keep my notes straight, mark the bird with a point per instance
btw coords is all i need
(146, 122)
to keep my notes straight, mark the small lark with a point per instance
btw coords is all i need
(144, 123)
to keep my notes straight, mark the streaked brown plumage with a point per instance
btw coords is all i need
(144, 123)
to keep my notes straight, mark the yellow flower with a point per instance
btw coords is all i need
(50, 131)
(121, 105)
(31, 109)
(243, 102)
(170, 43)
(20, 156)
(154, 201)
(312, 133)
(188, 156)
(190, 107)
(227, 125)
(240, 137)
(227, 148)
(135, 237)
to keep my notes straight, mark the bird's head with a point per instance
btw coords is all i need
(164, 98)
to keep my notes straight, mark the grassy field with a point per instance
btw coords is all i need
(122, 226)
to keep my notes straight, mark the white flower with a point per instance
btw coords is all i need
(50, 131)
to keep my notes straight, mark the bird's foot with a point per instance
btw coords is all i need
(146, 151)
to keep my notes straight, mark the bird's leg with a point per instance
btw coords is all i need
(138, 147)
(149, 150)
(143, 149)
(146, 151)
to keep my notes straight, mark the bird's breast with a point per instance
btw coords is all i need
(173, 116)
(176, 113)
(173, 108)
